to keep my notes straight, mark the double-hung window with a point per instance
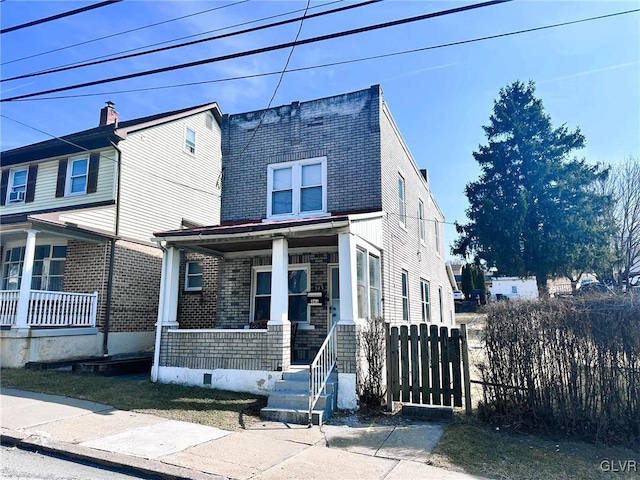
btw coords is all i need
(402, 208)
(441, 305)
(298, 286)
(424, 298)
(190, 141)
(77, 175)
(404, 290)
(421, 221)
(437, 235)
(48, 268)
(368, 284)
(297, 189)
(17, 185)
(193, 277)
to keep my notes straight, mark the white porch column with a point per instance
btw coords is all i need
(348, 278)
(167, 302)
(25, 282)
(279, 314)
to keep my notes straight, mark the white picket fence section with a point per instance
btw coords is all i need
(51, 309)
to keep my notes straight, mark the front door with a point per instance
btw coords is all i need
(334, 296)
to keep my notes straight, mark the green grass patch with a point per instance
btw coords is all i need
(216, 408)
(473, 447)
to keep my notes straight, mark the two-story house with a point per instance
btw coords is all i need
(80, 275)
(326, 220)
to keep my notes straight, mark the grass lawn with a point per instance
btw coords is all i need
(216, 408)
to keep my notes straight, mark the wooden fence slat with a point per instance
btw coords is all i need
(424, 358)
(404, 360)
(455, 364)
(415, 364)
(444, 364)
(465, 367)
(435, 370)
(395, 361)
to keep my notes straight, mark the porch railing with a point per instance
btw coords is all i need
(321, 368)
(51, 309)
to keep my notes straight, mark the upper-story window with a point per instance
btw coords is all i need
(17, 185)
(297, 189)
(421, 221)
(190, 140)
(401, 201)
(77, 176)
(436, 226)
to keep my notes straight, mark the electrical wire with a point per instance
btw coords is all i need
(58, 16)
(262, 50)
(331, 64)
(122, 33)
(193, 42)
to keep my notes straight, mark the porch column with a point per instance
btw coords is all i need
(167, 302)
(25, 283)
(348, 328)
(279, 314)
(279, 326)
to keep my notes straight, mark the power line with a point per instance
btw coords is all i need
(263, 49)
(333, 64)
(193, 42)
(59, 15)
(122, 33)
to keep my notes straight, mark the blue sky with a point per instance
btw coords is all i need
(587, 74)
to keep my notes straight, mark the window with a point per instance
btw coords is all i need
(424, 298)
(209, 121)
(401, 200)
(440, 302)
(17, 185)
(375, 296)
(514, 289)
(297, 189)
(190, 141)
(361, 281)
(405, 295)
(437, 232)
(421, 220)
(48, 268)
(368, 284)
(193, 277)
(298, 288)
(77, 175)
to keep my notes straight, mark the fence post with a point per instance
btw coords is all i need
(387, 339)
(465, 367)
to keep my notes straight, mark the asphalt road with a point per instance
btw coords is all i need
(19, 464)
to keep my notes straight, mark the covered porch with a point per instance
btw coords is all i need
(275, 275)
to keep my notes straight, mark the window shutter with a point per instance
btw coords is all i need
(62, 177)
(3, 186)
(92, 179)
(31, 183)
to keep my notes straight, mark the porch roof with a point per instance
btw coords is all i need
(307, 232)
(15, 226)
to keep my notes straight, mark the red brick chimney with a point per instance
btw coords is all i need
(108, 115)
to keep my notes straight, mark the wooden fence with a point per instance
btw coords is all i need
(425, 365)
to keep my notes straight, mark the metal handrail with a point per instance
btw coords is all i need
(321, 368)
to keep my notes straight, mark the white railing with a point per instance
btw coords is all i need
(321, 368)
(8, 306)
(51, 309)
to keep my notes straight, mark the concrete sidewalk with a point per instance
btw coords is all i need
(155, 446)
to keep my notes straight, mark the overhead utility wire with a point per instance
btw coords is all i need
(164, 42)
(122, 33)
(59, 15)
(332, 64)
(193, 42)
(261, 50)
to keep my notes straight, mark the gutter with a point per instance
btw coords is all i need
(112, 257)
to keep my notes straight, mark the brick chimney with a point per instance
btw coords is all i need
(108, 115)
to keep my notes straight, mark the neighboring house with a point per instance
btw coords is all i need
(326, 220)
(513, 288)
(80, 275)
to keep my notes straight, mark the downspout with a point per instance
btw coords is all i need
(112, 257)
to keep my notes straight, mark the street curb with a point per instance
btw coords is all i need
(136, 465)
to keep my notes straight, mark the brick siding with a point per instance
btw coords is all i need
(197, 309)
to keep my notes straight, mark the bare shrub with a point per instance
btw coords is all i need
(371, 375)
(565, 365)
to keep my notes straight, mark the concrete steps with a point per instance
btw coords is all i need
(289, 400)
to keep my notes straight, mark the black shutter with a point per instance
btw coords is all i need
(62, 177)
(31, 183)
(4, 181)
(92, 178)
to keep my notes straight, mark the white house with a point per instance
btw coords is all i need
(513, 288)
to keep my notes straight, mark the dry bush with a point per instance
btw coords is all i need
(565, 365)
(371, 377)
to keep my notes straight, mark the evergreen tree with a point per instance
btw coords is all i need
(467, 280)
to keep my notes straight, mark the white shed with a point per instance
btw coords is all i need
(513, 288)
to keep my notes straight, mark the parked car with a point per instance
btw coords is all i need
(593, 287)
(458, 296)
(478, 295)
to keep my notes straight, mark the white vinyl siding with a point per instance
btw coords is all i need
(45, 190)
(103, 218)
(162, 184)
